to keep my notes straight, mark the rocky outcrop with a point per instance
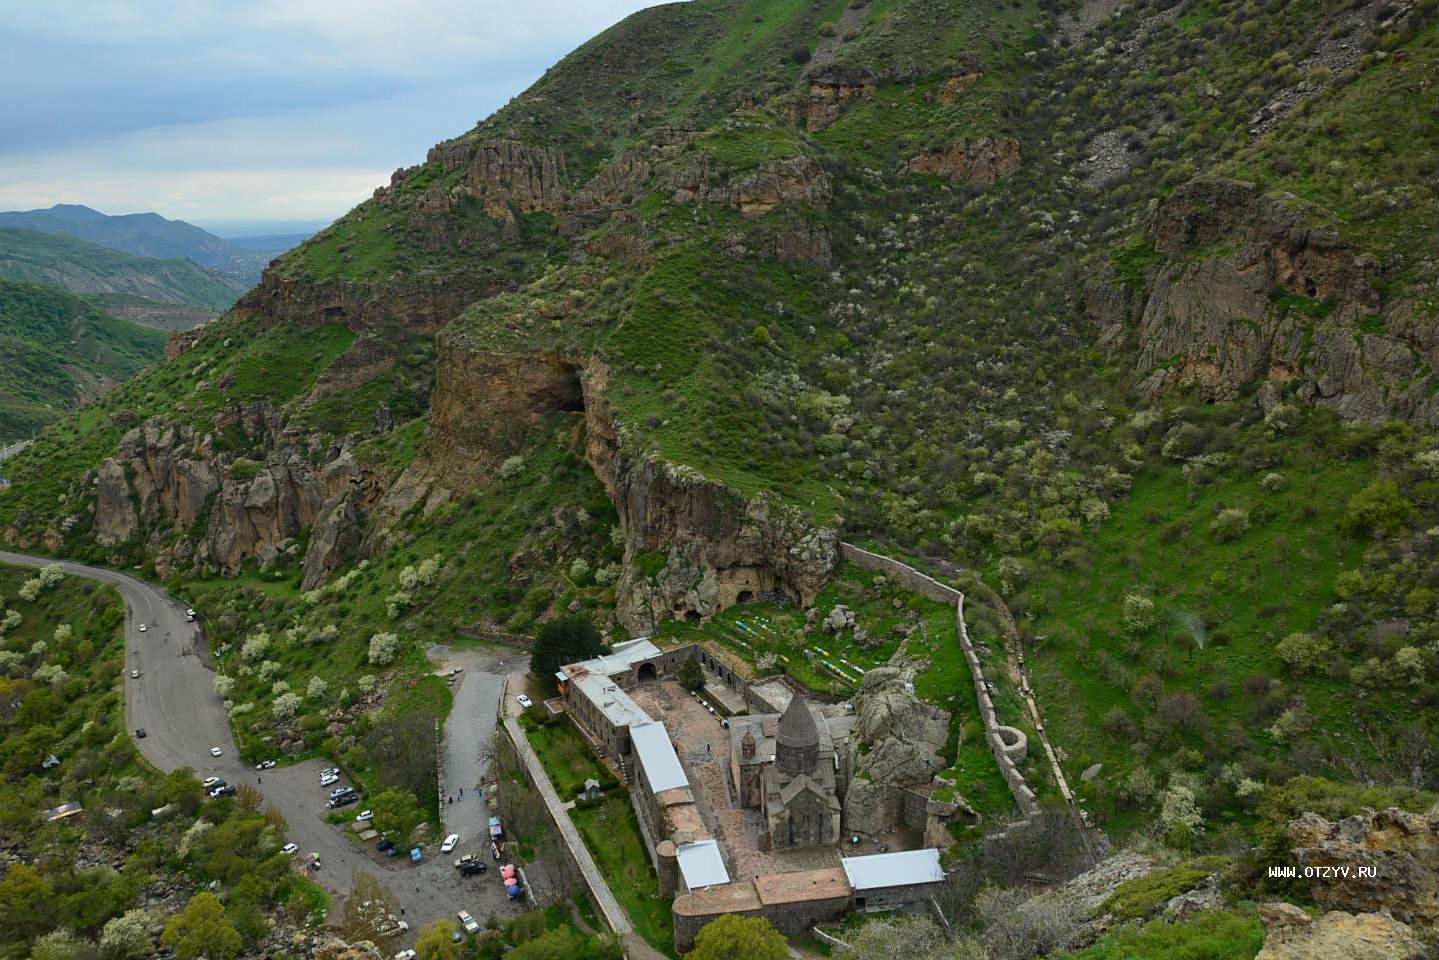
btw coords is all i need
(177, 344)
(827, 97)
(1291, 934)
(973, 162)
(421, 304)
(1252, 292)
(903, 736)
(505, 176)
(115, 520)
(694, 178)
(167, 477)
(1378, 860)
(716, 547)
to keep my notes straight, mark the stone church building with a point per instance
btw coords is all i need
(787, 770)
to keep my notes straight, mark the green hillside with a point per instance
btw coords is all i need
(84, 268)
(1122, 318)
(59, 351)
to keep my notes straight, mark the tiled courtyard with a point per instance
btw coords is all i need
(703, 746)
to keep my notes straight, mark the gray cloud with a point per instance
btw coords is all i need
(266, 110)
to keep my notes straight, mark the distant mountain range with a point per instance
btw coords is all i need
(58, 351)
(86, 268)
(151, 235)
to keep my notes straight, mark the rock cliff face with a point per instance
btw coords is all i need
(165, 477)
(1251, 292)
(1398, 851)
(977, 162)
(825, 100)
(692, 546)
(695, 179)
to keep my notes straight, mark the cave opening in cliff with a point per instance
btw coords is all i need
(569, 393)
(745, 596)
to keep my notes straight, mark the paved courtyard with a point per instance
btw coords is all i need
(703, 746)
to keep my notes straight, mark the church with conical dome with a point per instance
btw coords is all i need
(788, 771)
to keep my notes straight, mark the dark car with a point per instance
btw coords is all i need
(140, 733)
(344, 801)
(385, 844)
(474, 867)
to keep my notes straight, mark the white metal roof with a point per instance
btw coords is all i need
(897, 869)
(621, 657)
(702, 864)
(657, 756)
(613, 702)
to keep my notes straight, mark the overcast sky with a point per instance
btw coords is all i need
(226, 112)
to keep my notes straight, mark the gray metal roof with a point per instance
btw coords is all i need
(657, 757)
(702, 864)
(796, 725)
(897, 869)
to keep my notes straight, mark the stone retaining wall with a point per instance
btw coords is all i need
(920, 583)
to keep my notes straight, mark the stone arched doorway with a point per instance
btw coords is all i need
(647, 673)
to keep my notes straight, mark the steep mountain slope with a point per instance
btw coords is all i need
(84, 268)
(60, 352)
(1128, 311)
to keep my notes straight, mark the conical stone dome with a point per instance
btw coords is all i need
(797, 740)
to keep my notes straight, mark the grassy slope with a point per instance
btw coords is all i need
(46, 335)
(83, 267)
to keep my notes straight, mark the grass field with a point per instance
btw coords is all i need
(1220, 607)
(563, 753)
(612, 834)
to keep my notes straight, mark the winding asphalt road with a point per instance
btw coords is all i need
(174, 701)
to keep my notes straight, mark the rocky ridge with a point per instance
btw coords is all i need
(1250, 290)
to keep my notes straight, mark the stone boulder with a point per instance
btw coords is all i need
(1291, 934)
(338, 949)
(1378, 860)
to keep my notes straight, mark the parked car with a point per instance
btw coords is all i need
(406, 955)
(474, 867)
(456, 936)
(330, 772)
(134, 674)
(290, 849)
(344, 801)
(215, 751)
(140, 733)
(385, 844)
(468, 922)
(327, 781)
(341, 791)
(222, 790)
(264, 764)
(365, 815)
(209, 782)
(525, 701)
(143, 628)
(452, 841)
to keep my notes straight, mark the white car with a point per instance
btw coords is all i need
(365, 815)
(189, 613)
(134, 674)
(406, 955)
(326, 781)
(468, 922)
(264, 764)
(330, 772)
(290, 849)
(215, 751)
(143, 628)
(451, 842)
(525, 701)
(209, 782)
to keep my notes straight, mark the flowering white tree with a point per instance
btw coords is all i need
(286, 706)
(383, 647)
(316, 688)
